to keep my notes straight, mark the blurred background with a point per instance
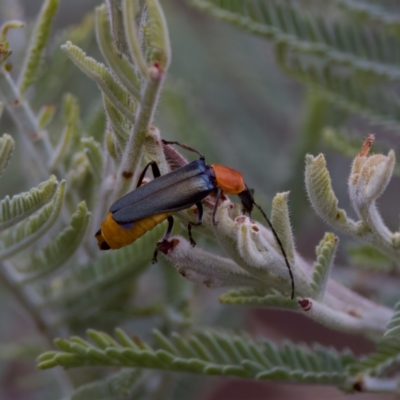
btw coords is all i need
(226, 96)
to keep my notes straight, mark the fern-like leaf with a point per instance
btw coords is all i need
(27, 232)
(118, 123)
(258, 297)
(157, 37)
(58, 251)
(96, 283)
(23, 205)
(290, 25)
(372, 12)
(7, 146)
(37, 45)
(102, 76)
(119, 63)
(71, 111)
(93, 151)
(347, 92)
(325, 254)
(207, 353)
(46, 115)
(388, 350)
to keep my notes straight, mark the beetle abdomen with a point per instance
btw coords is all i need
(117, 236)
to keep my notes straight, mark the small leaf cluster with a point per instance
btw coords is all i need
(209, 353)
(352, 65)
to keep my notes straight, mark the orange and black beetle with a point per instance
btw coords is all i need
(148, 205)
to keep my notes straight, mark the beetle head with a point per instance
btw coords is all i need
(246, 197)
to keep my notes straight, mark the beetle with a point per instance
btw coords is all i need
(148, 205)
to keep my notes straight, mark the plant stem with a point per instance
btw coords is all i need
(41, 149)
(144, 117)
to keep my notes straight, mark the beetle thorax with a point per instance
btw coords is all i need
(228, 179)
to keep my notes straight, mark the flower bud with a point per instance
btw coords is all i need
(369, 176)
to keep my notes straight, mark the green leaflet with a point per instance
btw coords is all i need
(23, 205)
(71, 115)
(281, 223)
(118, 123)
(63, 247)
(374, 13)
(107, 83)
(27, 232)
(130, 11)
(157, 37)
(291, 26)
(347, 91)
(46, 115)
(56, 73)
(7, 146)
(119, 63)
(321, 194)
(37, 45)
(209, 353)
(258, 297)
(388, 350)
(322, 267)
(93, 152)
(82, 283)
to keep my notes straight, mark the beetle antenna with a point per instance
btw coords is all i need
(186, 147)
(280, 245)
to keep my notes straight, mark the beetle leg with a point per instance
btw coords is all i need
(184, 146)
(217, 197)
(154, 169)
(167, 234)
(199, 222)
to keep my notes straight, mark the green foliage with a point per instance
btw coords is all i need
(87, 288)
(291, 26)
(156, 36)
(388, 350)
(207, 353)
(92, 149)
(59, 250)
(347, 92)
(323, 266)
(258, 298)
(50, 260)
(23, 205)
(15, 239)
(7, 145)
(101, 75)
(38, 43)
(46, 115)
(373, 13)
(119, 63)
